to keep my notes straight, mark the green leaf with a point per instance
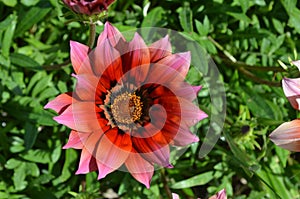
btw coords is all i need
(293, 12)
(197, 180)
(240, 156)
(245, 5)
(32, 169)
(41, 86)
(19, 177)
(31, 17)
(186, 18)
(38, 156)
(29, 2)
(278, 26)
(6, 22)
(71, 156)
(24, 61)
(260, 106)
(31, 133)
(153, 19)
(275, 182)
(203, 29)
(8, 35)
(12, 163)
(56, 152)
(283, 155)
(10, 3)
(43, 179)
(240, 16)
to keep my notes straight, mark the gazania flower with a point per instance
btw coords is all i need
(88, 7)
(129, 105)
(287, 135)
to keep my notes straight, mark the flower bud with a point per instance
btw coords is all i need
(88, 7)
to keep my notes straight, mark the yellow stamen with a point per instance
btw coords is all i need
(127, 108)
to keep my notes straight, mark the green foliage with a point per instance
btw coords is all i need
(245, 39)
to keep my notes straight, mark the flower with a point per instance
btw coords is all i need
(129, 105)
(88, 7)
(220, 195)
(287, 135)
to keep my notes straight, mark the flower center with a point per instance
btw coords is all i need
(127, 108)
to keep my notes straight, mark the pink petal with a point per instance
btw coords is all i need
(153, 152)
(185, 90)
(82, 117)
(140, 168)
(87, 162)
(175, 196)
(179, 136)
(106, 61)
(197, 89)
(291, 88)
(160, 49)
(220, 195)
(287, 135)
(110, 33)
(79, 53)
(297, 63)
(158, 117)
(172, 68)
(88, 88)
(190, 112)
(175, 132)
(60, 103)
(136, 59)
(75, 140)
(179, 61)
(111, 152)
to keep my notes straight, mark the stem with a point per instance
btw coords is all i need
(239, 64)
(83, 184)
(92, 34)
(244, 68)
(232, 60)
(56, 66)
(165, 183)
(257, 79)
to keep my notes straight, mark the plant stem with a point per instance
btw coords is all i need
(257, 79)
(56, 66)
(239, 64)
(165, 183)
(244, 68)
(92, 34)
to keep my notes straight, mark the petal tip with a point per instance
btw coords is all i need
(170, 166)
(196, 139)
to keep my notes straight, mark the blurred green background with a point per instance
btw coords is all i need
(245, 39)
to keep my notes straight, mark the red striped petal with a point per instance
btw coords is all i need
(152, 151)
(140, 168)
(160, 49)
(111, 152)
(136, 56)
(110, 33)
(82, 117)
